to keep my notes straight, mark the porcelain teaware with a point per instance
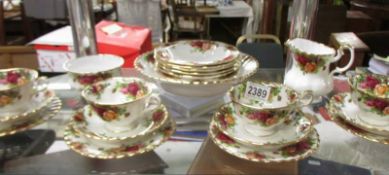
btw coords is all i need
(90, 69)
(310, 66)
(121, 102)
(17, 87)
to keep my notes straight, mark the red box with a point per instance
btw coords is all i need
(128, 43)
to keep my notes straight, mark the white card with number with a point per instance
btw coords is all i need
(257, 91)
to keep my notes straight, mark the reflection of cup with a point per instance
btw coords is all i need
(121, 102)
(87, 70)
(262, 116)
(370, 93)
(17, 86)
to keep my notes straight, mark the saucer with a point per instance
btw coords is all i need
(33, 119)
(79, 144)
(154, 120)
(343, 106)
(360, 132)
(291, 131)
(294, 152)
(39, 100)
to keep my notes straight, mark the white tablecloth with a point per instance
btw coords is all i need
(238, 9)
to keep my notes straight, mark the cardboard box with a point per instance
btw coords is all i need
(55, 48)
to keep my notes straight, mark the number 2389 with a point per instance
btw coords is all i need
(254, 91)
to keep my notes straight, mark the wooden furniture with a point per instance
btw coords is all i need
(378, 11)
(18, 56)
(358, 21)
(186, 19)
(212, 160)
(349, 38)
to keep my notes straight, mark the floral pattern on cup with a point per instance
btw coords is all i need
(7, 97)
(374, 85)
(133, 90)
(297, 148)
(14, 78)
(225, 117)
(90, 79)
(110, 113)
(376, 105)
(264, 118)
(310, 65)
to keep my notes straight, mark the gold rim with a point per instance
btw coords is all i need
(118, 156)
(301, 52)
(195, 77)
(53, 108)
(202, 68)
(360, 133)
(295, 157)
(25, 114)
(233, 49)
(236, 79)
(197, 73)
(95, 72)
(310, 128)
(143, 133)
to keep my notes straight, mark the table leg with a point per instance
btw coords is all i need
(2, 32)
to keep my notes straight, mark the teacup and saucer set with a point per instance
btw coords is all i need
(122, 118)
(268, 129)
(25, 100)
(365, 110)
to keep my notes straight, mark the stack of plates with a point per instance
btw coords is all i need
(295, 139)
(197, 60)
(196, 68)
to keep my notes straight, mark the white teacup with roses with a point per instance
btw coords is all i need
(17, 87)
(121, 102)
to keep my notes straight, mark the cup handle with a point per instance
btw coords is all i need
(306, 98)
(340, 53)
(41, 84)
(153, 102)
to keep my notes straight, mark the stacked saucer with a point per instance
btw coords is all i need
(364, 111)
(197, 60)
(25, 100)
(123, 118)
(265, 130)
(196, 68)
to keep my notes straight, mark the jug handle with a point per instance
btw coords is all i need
(339, 55)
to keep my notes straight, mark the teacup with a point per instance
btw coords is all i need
(371, 93)
(121, 102)
(87, 70)
(17, 87)
(263, 116)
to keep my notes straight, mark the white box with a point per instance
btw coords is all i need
(54, 49)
